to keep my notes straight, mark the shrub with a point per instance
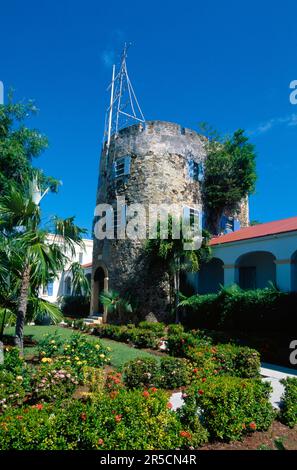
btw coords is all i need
(12, 391)
(144, 338)
(152, 326)
(260, 311)
(50, 345)
(179, 344)
(289, 407)
(13, 362)
(230, 407)
(81, 352)
(174, 372)
(175, 329)
(76, 306)
(131, 420)
(140, 373)
(52, 382)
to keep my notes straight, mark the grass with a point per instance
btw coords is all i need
(120, 352)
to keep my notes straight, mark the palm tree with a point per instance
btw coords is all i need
(33, 257)
(176, 259)
(80, 283)
(115, 304)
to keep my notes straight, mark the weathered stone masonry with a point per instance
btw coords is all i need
(158, 175)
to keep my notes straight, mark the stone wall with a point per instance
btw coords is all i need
(158, 175)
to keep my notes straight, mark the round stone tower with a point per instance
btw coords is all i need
(153, 164)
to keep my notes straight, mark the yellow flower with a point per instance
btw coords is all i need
(43, 353)
(46, 359)
(79, 363)
(76, 358)
(97, 346)
(102, 356)
(19, 377)
(108, 348)
(53, 341)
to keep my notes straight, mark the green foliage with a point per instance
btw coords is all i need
(169, 373)
(117, 307)
(12, 391)
(77, 306)
(289, 398)
(52, 383)
(230, 175)
(76, 351)
(157, 327)
(174, 372)
(140, 373)
(131, 420)
(258, 311)
(231, 407)
(18, 144)
(175, 329)
(139, 337)
(179, 344)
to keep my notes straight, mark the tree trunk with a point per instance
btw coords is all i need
(22, 309)
(176, 288)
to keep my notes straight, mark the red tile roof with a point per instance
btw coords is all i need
(88, 265)
(261, 230)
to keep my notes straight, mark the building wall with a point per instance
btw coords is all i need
(274, 256)
(83, 256)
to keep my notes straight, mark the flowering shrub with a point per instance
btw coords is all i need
(289, 408)
(230, 407)
(114, 382)
(50, 345)
(141, 373)
(179, 344)
(76, 352)
(144, 338)
(174, 372)
(132, 420)
(13, 362)
(51, 382)
(12, 391)
(175, 329)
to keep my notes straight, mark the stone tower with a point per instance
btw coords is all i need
(158, 163)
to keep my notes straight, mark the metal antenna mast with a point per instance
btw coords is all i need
(124, 108)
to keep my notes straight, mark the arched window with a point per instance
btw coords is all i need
(67, 286)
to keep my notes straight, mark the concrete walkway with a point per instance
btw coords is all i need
(270, 373)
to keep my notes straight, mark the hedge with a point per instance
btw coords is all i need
(255, 311)
(289, 405)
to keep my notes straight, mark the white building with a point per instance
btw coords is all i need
(62, 284)
(252, 257)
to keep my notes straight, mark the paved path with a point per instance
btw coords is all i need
(270, 372)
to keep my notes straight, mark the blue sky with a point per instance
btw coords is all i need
(226, 62)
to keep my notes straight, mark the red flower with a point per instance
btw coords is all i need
(195, 371)
(100, 442)
(215, 371)
(146, 394)
(19, 417)
(83, 416)
(39, 406)
(185, 434)
(153, 389)
(253, 426)
(169, 405)
(204, 379)
(118, 418)
(200, 392)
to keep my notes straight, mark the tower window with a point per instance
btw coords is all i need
(121, 167)
(195, 170)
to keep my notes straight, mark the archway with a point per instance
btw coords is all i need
(67, 286)
(255, 270)
(100, 283)
(211, 276)
(294, 272)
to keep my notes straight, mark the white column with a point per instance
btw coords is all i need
(229, 274)
(284, 274)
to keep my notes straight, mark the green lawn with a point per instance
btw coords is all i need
(120, 352)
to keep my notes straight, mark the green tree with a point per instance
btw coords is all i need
(33, 257)
(230, 175)
(19, 145)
